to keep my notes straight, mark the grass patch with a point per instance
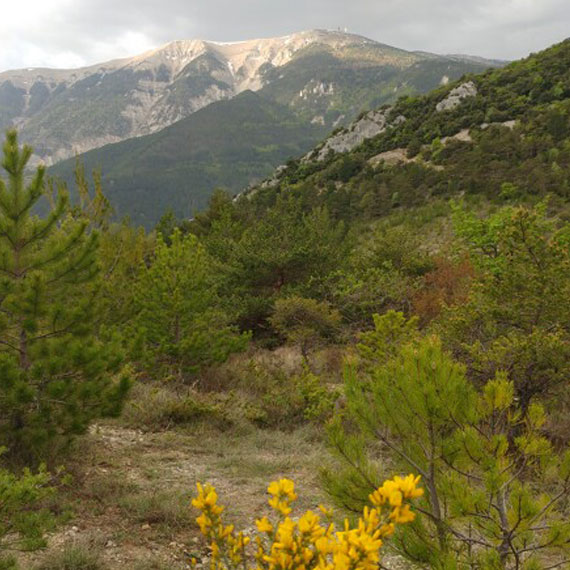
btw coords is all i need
(165, 508)
(157, 408)
(151, 565)
(73, 557)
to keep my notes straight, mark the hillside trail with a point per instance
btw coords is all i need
(131, 490)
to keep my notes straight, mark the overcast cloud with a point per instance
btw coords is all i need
(72, 33)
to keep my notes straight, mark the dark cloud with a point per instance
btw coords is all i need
(74, 32)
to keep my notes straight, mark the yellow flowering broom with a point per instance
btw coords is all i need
(305, 544)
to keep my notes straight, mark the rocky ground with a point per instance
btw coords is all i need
(130, 497)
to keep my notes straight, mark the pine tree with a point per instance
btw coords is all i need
(496, 488)
(55, 375)
(179, 310)
(286, 252)
(517, 314)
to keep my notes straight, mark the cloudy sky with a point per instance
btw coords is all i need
(71, 33)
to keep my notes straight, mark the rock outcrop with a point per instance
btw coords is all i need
(467, 89)
(371, 124)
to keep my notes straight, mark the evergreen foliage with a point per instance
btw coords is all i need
(391, 330)
(381, 273)
(285, 252)
(518, 134)
(23, 518)
(478, 454)
(179, 311)
(56, 376)
(516, 317)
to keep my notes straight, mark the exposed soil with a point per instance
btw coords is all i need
(120, 469)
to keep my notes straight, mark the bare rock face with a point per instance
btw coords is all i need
(391, 157)
(65, 112)
(457, 95)
(370, 125)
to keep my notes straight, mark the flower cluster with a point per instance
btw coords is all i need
(283, 543)
(228, 548)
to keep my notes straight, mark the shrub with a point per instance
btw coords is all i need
(23, 518)
(280, 542)
(304, 322)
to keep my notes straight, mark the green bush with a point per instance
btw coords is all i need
(24, 518)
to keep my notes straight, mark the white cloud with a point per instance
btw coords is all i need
(67, 33)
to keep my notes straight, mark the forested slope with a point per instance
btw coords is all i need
(508, 140)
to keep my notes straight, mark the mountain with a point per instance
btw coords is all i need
(502, 135)
(228, 143)
(325, 77)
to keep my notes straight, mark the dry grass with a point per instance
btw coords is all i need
(133, 477)
(158, 407)
(132, 488)
(74, 556)
(167, 507)
(241, 371)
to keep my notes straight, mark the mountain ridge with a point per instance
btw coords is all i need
(66, 112)
(502, 134)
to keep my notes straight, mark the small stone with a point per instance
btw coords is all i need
(145, 526)
(110, 544)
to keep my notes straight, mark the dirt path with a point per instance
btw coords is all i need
(131, 492)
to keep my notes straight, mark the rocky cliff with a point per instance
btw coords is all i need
(326, 77)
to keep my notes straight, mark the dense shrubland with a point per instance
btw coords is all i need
(417, 314)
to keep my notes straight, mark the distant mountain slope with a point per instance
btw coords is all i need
(229, 143)
(504, 134)
(327, 77)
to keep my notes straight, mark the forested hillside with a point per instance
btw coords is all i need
(306, 88)
(384, 320)
(229, 144)
(507, 141)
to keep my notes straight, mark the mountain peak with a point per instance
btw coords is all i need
(65, 112)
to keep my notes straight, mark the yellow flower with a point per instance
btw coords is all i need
(408, 486)
(402, 515)
(263, 525)
(395, 490)
(282, 488)
(309, 524)
(387, 529)
(306, 544)
(280, 506)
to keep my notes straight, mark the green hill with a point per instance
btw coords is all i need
(509, 138)
(230, 143)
